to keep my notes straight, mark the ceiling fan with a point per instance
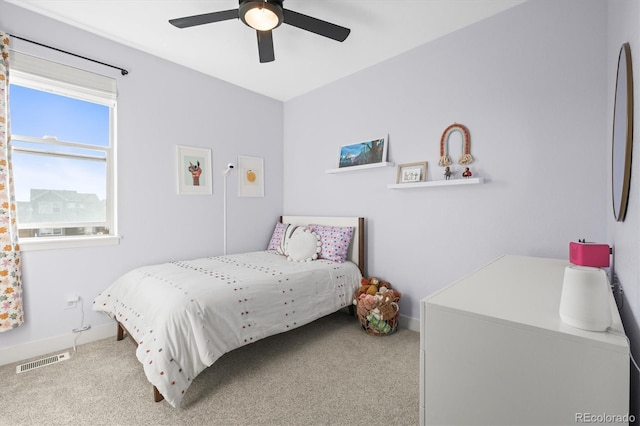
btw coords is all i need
(264, 16)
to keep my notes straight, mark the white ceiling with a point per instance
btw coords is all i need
(380, 29)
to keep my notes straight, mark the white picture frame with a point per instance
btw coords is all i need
(412, 172)
(194, 170)
(363, 154)
(250, 176)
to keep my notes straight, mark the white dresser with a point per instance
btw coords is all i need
(494, 351)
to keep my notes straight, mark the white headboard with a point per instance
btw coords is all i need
(356, 250)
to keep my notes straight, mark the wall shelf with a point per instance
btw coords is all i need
(470, 181)
(362, 167)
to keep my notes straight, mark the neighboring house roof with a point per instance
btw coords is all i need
(72, 206)
(64, 194)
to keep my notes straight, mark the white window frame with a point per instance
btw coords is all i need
(40, 74)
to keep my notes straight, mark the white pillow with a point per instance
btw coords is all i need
(303, 246)
(288, 233)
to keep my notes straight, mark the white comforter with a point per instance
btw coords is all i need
(185, 315)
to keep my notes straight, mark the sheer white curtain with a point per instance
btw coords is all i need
(11, 311)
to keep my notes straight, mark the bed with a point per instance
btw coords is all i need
(184, 315)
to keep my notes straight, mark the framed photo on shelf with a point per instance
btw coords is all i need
(363, 153)
(250, 176)
(412, 172)
(194, 170)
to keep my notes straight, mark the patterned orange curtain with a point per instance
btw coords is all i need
(11, 312)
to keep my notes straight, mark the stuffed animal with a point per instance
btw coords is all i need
(368, 301)
(376, 313)
(369, 286)
(365, 303)
(394, 294)
(374, 284)
(380, 325)
(386, 296)
(378, 292)
(384, 285)
(376, 304)
(361, 290)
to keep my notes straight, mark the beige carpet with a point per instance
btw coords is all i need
(329, 372)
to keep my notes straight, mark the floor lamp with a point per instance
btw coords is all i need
(224, 206)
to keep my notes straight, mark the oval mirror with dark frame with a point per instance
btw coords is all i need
(622, 139)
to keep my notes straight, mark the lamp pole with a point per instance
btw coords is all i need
(224, 207)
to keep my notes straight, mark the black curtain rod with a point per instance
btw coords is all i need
(122, 70)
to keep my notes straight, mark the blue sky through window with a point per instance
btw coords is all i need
(37, 113)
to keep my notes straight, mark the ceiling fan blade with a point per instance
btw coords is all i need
(206, 18)
(323, 28)
(265, 46)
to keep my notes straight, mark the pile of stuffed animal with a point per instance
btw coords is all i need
(377, 306)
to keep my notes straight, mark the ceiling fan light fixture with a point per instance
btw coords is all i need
(261, 15)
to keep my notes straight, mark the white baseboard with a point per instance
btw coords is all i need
(46, 346)
(410, 323)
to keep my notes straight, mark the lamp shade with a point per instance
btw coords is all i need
(585, 300)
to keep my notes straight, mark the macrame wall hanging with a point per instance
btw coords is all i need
(466, 157)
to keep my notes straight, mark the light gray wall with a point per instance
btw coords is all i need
(529, 83)
(623, 26)
(160, 105)
(533, 84)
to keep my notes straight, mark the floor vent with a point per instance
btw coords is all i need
(42, 362)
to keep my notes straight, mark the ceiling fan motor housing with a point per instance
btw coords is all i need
(274, 6)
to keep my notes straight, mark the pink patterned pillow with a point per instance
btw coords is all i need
(276, 238)
(335, 241)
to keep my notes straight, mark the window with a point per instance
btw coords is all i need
(62, 133)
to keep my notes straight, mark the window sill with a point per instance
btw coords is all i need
(54, 243)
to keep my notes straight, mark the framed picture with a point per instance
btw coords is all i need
(194, 170)
(363, 153)
(250, 176)
(412, 172)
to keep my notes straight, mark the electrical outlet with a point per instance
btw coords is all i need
(71, 301)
